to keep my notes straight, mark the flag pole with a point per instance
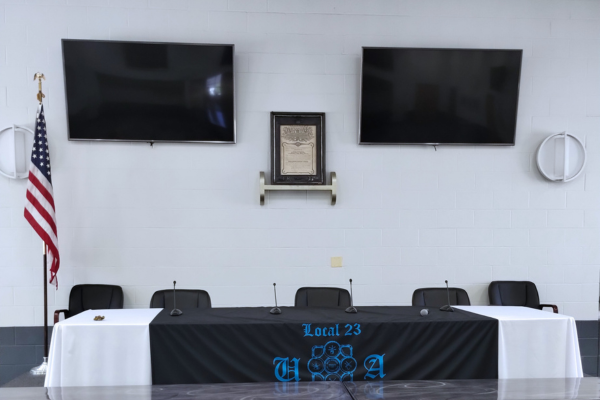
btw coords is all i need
(43, 367)
(45, 255)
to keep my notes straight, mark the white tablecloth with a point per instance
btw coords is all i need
(534, 343)
(113, 352)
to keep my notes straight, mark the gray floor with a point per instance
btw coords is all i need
(547, 389)
(26, 380)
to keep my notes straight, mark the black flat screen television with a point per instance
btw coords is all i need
(439, 96)
(149, 92)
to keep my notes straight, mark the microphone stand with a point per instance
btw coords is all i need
(447, 307)
(351, 309)
(175, 312)
(275, 310)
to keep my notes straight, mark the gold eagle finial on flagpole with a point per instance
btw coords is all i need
(39, 76)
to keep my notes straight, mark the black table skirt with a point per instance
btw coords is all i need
(311, 344)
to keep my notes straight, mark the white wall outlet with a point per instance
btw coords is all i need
(336, 262)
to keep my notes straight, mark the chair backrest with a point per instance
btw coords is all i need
(322, 297)
(514, 293)
(194, 298)
(437, 297)
(94, 297)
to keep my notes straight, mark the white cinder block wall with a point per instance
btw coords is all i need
(406, 217)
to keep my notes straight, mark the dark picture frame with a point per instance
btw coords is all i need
(297, 148)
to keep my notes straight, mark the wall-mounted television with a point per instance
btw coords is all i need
(439, 96)
(149, 92)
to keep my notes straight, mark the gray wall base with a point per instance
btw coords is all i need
(21, 348)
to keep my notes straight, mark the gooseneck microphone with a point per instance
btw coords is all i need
(447, 307)
(275, 310)
(175, 312)
(351, 309)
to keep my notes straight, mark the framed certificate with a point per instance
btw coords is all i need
(297, 148)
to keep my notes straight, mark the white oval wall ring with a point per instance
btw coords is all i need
(571, 157)
(15, 150)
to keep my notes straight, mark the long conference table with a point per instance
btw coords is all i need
(148, 346)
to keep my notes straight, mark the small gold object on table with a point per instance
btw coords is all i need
(99, 318)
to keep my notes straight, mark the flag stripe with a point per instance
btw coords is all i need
(41, 210)
(41, 178)
(53, 261)
(41, 222)
(42, 233)
(41, 199)
(32, 195)
(35, 182)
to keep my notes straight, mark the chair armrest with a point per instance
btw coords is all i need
(57, 315)
(554, 308)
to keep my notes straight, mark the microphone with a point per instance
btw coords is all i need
(275, 310)
(175, 312)
(447, 307)
(351, 309)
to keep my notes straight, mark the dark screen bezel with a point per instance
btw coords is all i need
(142, 140)
(360, 142)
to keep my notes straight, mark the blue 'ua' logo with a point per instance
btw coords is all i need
(374, 366)
(332, 362)
(285, 370)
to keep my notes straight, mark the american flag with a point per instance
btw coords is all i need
(39, 206)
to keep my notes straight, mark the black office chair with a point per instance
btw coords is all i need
(322, 297)
(92, 297)
(185, 299)
(437, 297)
(516, 293)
